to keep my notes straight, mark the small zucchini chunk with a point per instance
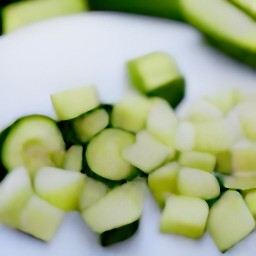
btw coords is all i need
(131, 113)
(40, 218)
(59, 187)
(147, 153)
(185, 216)
(115, 216)
(156, 74)
(74, 102)
(74, 158)
(32, 141)
(163, 181)
(197, 183)
(229, 220)
(15, 191)
(199, 160)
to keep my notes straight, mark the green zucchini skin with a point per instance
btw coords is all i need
(233, 51)
(120, 234)
(160, 8)
(3, 135)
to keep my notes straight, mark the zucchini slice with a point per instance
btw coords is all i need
(32, 141)
(114, 217)
(225, 26)
(104, 155)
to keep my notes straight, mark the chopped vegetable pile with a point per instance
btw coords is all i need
(199, 162)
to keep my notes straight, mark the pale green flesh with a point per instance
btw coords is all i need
(222, 20)
(90, 124)
(241, 183)
(104, 154)
(131, 113)
(162, 122)
(59, 187)
(92, 192)
(15, 191)
(74, 102)
(152, 71)
(121, 206)
(229, 220)
(250, 199)
(199, 160)
(40, 219)
(162, 182)
(33, 142)
(185, 216)
(73, 158)
(197, 183)
(19, 14)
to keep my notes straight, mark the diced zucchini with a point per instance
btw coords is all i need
(59, 187)
(185, 216)
(40, 219)
(162, 182)
(15, 191)
(225, 25)
(224, 162)
(214, 136)
(162, 123)
(22, 13)
(247, 117)
(74, 158)
(243, 157)
(74, 102)
(92, 192)
(32, 141)
(156, 74)
(229, 220)
(104, 154)
(185, 136)
(147, 153)
(197, 183)
(118, 208)
(225, 100)
(131, 113)
(199, 160)
(89, 124)
(202, 111)
(238, 182)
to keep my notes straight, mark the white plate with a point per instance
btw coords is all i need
(93, 48)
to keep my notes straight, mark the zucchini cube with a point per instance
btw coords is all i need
(185, 216)
(197, 183)
(71, 103)
(40, 219)
(156, 74)
(229, 220)
(15, 191)
(147, 153)
(162, 182)
(199, 160)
